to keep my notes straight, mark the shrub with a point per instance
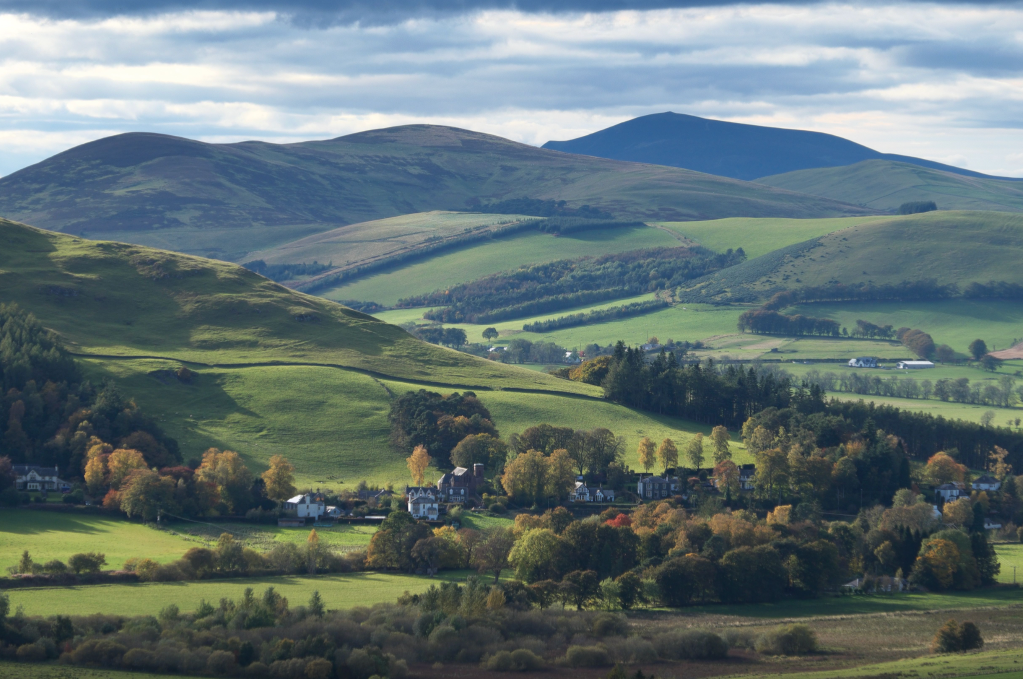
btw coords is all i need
(55, 567)
(955, 638)
(519, 660)
(139, 659)
(220, 662)
(31, 653)
(587, 656)
(99, 652)
(740, 638)
(787, 640)
(632, 650)
(606, 625)
(89, 562)
(690, 645)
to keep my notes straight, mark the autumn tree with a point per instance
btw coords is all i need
(958, 513)
(647, 453)
(491, 553)
(123, 462)
(727, 474)
(772, 471)
(668, 455)
(998, 466)
(279, 479)
(484, 449)
(144, 493)
(96, 466)
(694, 452)
(719, 437)
(227, 471)
(418, 461)
(941, 468)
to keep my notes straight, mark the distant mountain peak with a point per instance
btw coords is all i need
(735, 150)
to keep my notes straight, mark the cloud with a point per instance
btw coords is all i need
(875, 74)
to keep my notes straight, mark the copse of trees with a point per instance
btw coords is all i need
(917, 341)
(439, 423)
(917, 207)
(286, 272)
(761, 321)
(561, 284)
(850, 292)
(598, 316)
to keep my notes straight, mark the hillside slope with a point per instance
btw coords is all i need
(727, 149)
(114, 299)
(949, 246)
(885, 185)
(227, 200)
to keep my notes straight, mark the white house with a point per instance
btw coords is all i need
(746, 474)
(422, 502)
(951, 491)
(913, 365)
(604, 495)
(31, 477)
(335, 512)
(863, 362)
(580, 493)
(986, 482)
(306, 506)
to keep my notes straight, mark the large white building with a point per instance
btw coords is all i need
(31, 477)
(423, 502)
(913, 365)
(306, 506)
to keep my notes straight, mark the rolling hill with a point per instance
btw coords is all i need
(727, 149)
(885, 184)
(228, 200)
(277, 371)
(948, 246)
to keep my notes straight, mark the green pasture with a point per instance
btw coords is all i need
(500, 254)
(514, 412)
(357, 242)
(49, 535)
(949, 410)
(262, 537)
(56, 671)
(860, 604)
(759, 235)
(955, 322)
(1010, 556)
(1000, 664)
(338, 592)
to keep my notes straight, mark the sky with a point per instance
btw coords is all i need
(943, 81)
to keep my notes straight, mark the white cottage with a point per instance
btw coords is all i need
(423, 502)
(986, 482)
(31, 477)
(863, 362)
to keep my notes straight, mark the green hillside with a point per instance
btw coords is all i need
(277, 371)
(759, 235)
(949, 246)
(885, 185)
(229, 200)
(492, 256)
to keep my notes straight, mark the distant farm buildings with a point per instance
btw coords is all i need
(863, 362)
(913, 365)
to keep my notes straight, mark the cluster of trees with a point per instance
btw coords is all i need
(916, 207)
(702, 393)
(1003, 393)
(767, 322)
(285, 272)
(538, 207)
(438, 334)
(570, 282)
(919, 342)
(438, 423)
(860, 292)
(993, 290)
(867, 329)
(50, 416)
(520, 350)
(563, 225)
(598, 316)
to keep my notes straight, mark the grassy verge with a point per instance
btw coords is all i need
(1002, 664)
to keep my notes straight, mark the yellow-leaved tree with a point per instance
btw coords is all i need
(227, 471)
(647, 453)
(279, 479)
(418, 461)
(123, 462)
(668, 454)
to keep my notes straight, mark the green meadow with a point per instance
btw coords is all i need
(338, 592)
(500, 254)
(51, 535)
(1001, 664)
(759, 235)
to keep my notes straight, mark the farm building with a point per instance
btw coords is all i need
(306, 506)
(913, 365)
(863, 362)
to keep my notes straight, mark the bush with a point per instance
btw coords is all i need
(497, 508)
(956, 638)
(787, 640)
(139, 659)
(916, 207)
(75, 497)
(587, 656)
(89, 562)
(219, 662)
(519, 660)
(606, 625)
(31, 653)
(319, 669)
(690, 645)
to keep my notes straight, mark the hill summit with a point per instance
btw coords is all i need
(727, 149)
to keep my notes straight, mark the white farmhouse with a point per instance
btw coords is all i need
(986, 482)
(951, 491)
(306, 506)
(423, 502)
(863, 362)
(31, 477)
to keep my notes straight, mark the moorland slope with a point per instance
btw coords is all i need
(227, 200)
(885, 185)
(727, 149)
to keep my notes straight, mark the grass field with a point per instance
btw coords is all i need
(759, 235)
(338, 592)
(1010, 556)
(1000, 664)
(500, 254)
(55, 671)
(954, 322)
(367, 240)
(58, 535)
(885, 185)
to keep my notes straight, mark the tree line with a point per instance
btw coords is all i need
(762, 321)
(559, 284)
(597, 316)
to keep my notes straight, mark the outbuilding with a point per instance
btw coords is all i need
(913, 365)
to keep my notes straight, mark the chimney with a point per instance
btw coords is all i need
(477, 472)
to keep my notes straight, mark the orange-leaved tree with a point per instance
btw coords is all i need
(418, 461)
